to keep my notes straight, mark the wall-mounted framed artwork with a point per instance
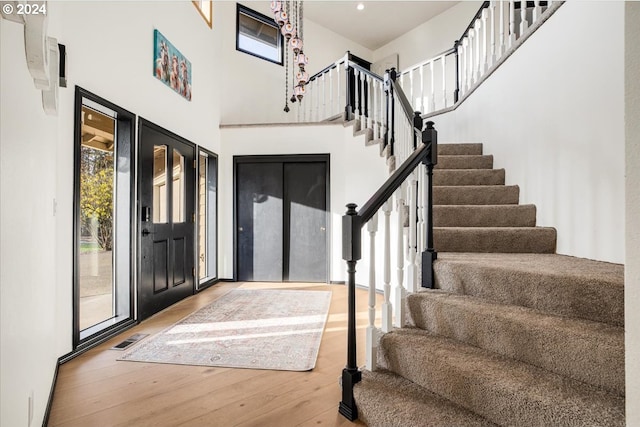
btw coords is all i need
(170, 66)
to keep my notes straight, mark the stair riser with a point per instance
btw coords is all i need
(495, 240)
(484, 216)
(380, 391)
(464, 162)
(468, 149)
(468, 177)
(590, 352)
(476, 195)
(500, 390)
(563, 296)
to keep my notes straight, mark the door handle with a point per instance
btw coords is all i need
(146, 232)
(323, 229)
(240, 229)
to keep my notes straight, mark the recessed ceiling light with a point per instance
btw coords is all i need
(360, 6)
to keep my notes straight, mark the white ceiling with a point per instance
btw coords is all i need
(378, 23)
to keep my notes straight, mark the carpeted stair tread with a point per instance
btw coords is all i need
(495, 239)
(556, 284)
(468, 177)
(502, 390)
(476, 195)
(591, 352)
(465, 162)
(384, 399)
(469, 149)
(484, 215)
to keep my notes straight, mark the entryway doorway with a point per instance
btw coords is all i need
(280, 217)
(166, 223)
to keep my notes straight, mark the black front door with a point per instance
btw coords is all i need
(166, 220)
(281, 218)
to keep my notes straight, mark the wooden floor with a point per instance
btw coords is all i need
(95, 389)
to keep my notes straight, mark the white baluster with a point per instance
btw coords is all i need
(444, 81)
(501, 45)
(367, 83)
(485, 41)
(433, 86)
(401, 293)
(492, 25)
(471, 57)
(332, 108)
(461, 67)
(338, 94)
(324, 97)
(419, 228)
(512, 22)
(373, 113)
(478, 66)
(387, 317)
(537, 11)
(421, 103)
(363, 123)
(411, 99)
(372, 332)
(412, 274)
(524, 24)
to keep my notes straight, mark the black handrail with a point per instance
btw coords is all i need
(352, 223)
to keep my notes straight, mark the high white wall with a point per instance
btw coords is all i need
(552, 116)
(432, 37)
(109, 52)
(632, 261)
(254, 89)
(350, 182)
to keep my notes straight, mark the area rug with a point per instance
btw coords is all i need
(245, 328)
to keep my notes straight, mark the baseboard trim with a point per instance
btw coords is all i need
(337, 282)
(47, 410)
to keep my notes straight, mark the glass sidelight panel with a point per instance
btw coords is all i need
(207, 216)
(160, 195)
(97, 189)
(178, 187)
(103, 212)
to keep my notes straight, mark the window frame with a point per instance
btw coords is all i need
(265, 20)
(198, 5)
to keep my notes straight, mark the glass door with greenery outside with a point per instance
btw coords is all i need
(207, 218)
(103, 216)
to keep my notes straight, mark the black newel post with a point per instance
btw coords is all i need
(387, 91)
(456, 92)
(429, 138)
(351, 253)
(392, 111)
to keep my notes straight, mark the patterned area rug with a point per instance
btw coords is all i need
(245, 328)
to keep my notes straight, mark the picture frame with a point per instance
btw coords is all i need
(170, 66)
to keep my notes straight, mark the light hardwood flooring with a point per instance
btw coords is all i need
(95, 389)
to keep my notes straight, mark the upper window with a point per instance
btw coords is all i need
(205, 7)
(258, 35)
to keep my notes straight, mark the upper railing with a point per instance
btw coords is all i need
(346, 90)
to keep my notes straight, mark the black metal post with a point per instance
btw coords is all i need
(387, 91)
(456, 92)
(429, 138)
(392, 126)
(351, 253)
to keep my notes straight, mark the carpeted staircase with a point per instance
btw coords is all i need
(515, 335)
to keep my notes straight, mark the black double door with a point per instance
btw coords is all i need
(281, 218)
(166, 219)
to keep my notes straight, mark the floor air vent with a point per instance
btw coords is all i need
(129, 341)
